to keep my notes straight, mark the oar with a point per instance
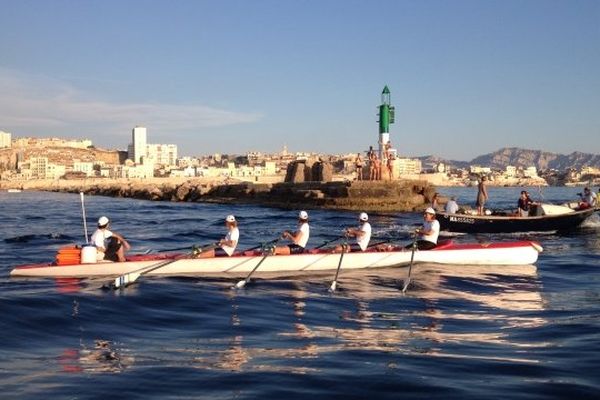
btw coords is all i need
(85, 231)
(329, 242)
(129, 278)
(260, 245)
(334, 283)
(412, 257)
(268, 251)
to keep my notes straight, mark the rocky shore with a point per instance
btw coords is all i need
(381, 196)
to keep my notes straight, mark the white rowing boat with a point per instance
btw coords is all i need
(503, 253)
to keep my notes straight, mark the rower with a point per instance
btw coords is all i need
(299, 238)
(227, 245)
(362, 234)
(110, 245)
(428, 233)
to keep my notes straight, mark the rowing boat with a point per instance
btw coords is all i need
(501, 253)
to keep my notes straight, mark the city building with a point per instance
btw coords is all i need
(5, 139)
(407, 166)
(162, 154)
(511, 171)
(530, 172)
(138, 147)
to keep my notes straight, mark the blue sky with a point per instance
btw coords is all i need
(467, 77)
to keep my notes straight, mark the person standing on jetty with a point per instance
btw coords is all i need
(359, 166)
(371, 156)
(226, 246)
(299, 238)
(362, 234)
(109, 245)
(482, 195)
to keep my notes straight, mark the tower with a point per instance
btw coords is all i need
(386, 117)
(138, 144)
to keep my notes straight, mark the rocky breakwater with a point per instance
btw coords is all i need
(389, 196)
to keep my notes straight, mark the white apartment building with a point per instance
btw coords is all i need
(5, 139)
(138, 147)
(530, 172)
(511, 171)
(84, 166)
(476, 169)
(162, 154)
(405, 166)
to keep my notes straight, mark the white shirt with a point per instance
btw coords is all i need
(363, 240)
(451, 207)
(232, 235)
(100, 237)
(590, 198)
(433, 226)
(304, 230)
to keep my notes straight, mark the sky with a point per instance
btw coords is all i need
(466, 77)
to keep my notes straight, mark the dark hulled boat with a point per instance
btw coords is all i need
(548, 218)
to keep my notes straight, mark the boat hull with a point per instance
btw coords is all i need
(508, 224)
(509, 253)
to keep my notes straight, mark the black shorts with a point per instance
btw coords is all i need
(112, 248)
(219, 252)
(295, 249)
(423, 245)
(354, 248)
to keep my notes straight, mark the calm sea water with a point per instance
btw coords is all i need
(526, 332)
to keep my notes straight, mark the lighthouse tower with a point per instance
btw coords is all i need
(386, 117)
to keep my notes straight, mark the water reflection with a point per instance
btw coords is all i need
(102, 357)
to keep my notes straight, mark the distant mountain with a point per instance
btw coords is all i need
(517, 157)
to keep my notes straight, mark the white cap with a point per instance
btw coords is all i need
(430, 210)
(103, 221)
(303, 215)
(230, 218)
(363, 216)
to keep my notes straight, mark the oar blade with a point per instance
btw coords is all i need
(405, 286)
(240, 284)
(333, 286)
(126, 280)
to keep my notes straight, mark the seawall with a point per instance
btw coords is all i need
(379, 196)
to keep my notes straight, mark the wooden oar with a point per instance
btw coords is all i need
(268, 251)
(412, 257)
(334, 283)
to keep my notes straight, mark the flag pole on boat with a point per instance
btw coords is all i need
(85, 231)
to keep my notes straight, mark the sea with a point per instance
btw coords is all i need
(459, 332)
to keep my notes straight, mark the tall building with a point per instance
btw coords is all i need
(4, 139)
(138, 147)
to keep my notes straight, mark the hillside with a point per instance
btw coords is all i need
(517, 157)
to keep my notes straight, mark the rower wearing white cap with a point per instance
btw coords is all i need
(429, 232)
(226, 246)
(109, 245)
(362, 234)
(299, 238)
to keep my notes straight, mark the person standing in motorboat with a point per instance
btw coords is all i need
(226, 246)
(427, 234)
(362, 233)
(524, 204)
(110, 246)
(299, 238)
(482, 195)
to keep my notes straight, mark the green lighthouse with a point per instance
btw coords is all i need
(386, 117)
